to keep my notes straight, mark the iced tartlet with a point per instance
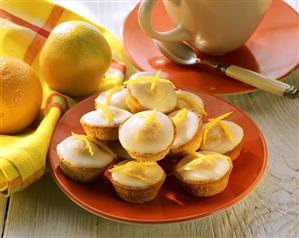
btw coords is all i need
(103, 123)
(137, 182)
(190, 101)
(188, 132)
(113, 97)
(204, 174)
(223, 136)
(81, 160)
(147, 135)
(150, 92)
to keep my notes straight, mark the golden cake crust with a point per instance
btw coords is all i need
(149, 156)
(81, 175)
(206, 188)
(103, 133)
(136, 195)
(235, 152)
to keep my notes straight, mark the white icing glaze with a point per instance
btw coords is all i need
(75, 152)
(117, 99)
(217, 141)
(141, 74)
(135, 136)
(97, 118)
(206, 170)
(162, 97)
(181, 103)
(153, 173)
(185, 129)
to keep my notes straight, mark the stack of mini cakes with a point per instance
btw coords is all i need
(142, 122)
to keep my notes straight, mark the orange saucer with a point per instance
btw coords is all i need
(172, 204)
(272, 50)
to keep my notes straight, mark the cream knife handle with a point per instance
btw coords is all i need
(260, 81)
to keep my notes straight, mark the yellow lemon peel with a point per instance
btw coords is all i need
(151, 118)
(215, 121)
(106, 112)
(192, 102)
(105, 148)
(86, 142)
(132, 164)
(180, 116)
(200, 158)
(110, 93)
(149, 79)
(157, 76)
(227, 132)
(144, 179)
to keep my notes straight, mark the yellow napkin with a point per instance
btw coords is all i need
(25, 26)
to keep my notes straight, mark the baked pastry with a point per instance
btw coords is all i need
(222, 136)
(150, 92)
(120, 151)
(190, 101)
(113, 97)
(204, 174)
(81, 160)
(188, 132)
(137, 182)
(103, 123)
(147, 135)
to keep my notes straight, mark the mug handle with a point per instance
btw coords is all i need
(144, 18)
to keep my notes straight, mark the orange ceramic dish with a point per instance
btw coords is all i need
(272, 50)
(172, 204)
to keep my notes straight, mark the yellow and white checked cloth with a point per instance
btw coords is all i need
(25, 25)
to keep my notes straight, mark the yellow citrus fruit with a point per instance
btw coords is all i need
(74, 58)
(20, 95)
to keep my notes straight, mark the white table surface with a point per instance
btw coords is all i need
(271, 210)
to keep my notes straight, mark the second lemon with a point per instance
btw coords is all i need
(74, 58)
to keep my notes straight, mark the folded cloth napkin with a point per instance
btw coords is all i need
(25, 25)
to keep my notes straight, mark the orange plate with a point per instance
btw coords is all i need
(171, 204)
(272, 50)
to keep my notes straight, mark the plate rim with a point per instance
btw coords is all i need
(229, 204)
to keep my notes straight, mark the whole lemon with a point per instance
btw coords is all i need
(74, 58)
(20, 95)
